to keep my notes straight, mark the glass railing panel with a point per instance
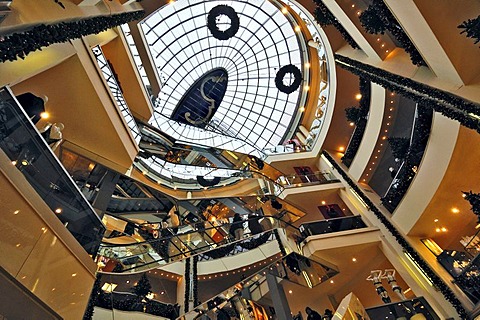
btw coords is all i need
(469, 279)
(116, 91)
(218, 241)
(332, 225)
(30, 154)
(298, 180)
(403, 310)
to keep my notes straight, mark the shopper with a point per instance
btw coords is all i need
(312, 315)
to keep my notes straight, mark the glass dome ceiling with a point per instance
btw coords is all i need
(253, 113)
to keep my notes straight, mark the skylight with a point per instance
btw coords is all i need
(253, 114)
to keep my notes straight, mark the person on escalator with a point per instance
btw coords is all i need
(236, 229)
(312, 315)
(254, 224)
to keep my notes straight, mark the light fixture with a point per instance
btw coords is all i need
(323, 202)
(331, 281)
(284, 10)
(58, 210)
(290, 291)
(44, 115)
(306, 88)
(358, 96)
(341, 149)
(109, 287)
(437, 229)
(297, 28)
(301, 109)
(352, 124)
(354, 259)
(307, 65)
(444, 229)
(436, 220)
(455, 210)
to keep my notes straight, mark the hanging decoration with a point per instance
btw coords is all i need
(325, 18)
(295, 72)
(195, 281)
(472, 29)
(214, 15)
(399, 146)
(20, 44)
(186, 278)
(377, 18)
(208, 183)
(474, 200)
(448, 104)
(412, 253)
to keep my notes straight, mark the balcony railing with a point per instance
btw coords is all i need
(332, 225)
(403, 310)
(30, 154)
(116, 91)
(298, 180)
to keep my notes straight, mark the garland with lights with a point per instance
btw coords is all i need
(20, 44)
(408, 249)
(448, 104)
(325, 18)
(186, 279)
(413, 157)
(280, 244)
(472, 28)
(248, 245)
(399, 146)
(474, 200)
(195, 281)
(125, 302)
(92, 302)
(377, 18)
(359, 117)
(295, 72)
(220, 10)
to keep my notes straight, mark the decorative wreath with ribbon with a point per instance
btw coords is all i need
(212, 22)
(297, 74)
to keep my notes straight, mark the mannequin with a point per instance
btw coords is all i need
(376, 277)
(390, 276)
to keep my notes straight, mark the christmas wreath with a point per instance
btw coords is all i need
(297, 74)
(212, 22)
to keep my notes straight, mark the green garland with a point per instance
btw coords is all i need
(195, 281)
(415, 256)
(325, 18)
(96, 291)
(19, 45)
(377, 18)
(186, 279)
(472, 28)
(448, 104)
(360, 123)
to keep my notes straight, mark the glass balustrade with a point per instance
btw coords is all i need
(331, 225)
(408, 309)
(30, 154)
(298, 180)
(204, 239)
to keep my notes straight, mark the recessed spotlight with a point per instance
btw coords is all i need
(341, 149)
(354, 259)
(455, 210)
(437, 229)
(44, 115)
(290, 291)
(436, 220)
(444, 229)
(358, 96)
(58, 210)
(352, 124)
(284, 10)
(323, 202)
(297, 28)
(331, 281)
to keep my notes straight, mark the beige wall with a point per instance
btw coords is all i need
(38, 251)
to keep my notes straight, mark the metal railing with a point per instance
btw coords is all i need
(116, 91)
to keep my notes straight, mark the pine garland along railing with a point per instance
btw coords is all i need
(361, 123)
(324, 18)
(20, 44)
(408, 249)
(471, 28)
(448, 104)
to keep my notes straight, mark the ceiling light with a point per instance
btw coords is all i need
(323, 202)
(455, 210)
(444, 229)
(290, 291)
(354, 259)
(58, 210)
(437, 229)
(358, 96)
(307, 65)
(436, 220)
(341, 149)
(331, 281)
(352, 124)
(44, 115)
(284, 10)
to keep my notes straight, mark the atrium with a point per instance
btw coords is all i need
(210, 159)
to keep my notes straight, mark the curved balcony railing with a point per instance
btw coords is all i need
(190, 240)
(403, 310)
(31, 155)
